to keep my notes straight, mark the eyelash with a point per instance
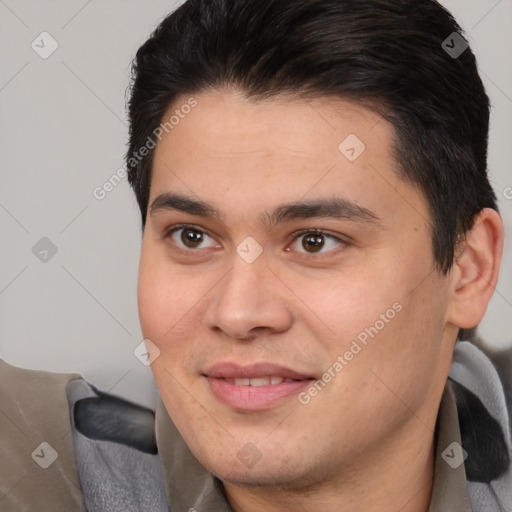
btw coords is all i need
(328, 235)
(295, 236)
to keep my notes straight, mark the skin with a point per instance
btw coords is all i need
(365, 442)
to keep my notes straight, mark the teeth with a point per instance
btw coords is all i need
(258, 381)
(242, 382)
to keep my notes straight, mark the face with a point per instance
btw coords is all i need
(287, 279)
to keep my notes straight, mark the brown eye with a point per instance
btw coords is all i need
(191, 238)
(316, 242)
(313, 242)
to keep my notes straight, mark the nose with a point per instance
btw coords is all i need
(249, 302)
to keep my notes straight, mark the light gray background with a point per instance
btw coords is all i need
(63, 132)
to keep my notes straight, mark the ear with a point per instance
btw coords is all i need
(474, 274)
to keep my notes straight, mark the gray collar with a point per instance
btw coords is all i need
(449, 490)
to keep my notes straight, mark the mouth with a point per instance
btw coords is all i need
(260, 381)
(254, 387)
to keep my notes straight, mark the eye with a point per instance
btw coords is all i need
(188, 237)
(315, 241)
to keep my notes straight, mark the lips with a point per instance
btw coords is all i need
(259, 381)
(254, 387)
(253, 371)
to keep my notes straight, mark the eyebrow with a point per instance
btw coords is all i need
(337, 208)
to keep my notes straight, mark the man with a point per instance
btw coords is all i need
(319, 231)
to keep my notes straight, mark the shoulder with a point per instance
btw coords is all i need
(34, 402)
(21, 382)
(60, 438)
(35, 447)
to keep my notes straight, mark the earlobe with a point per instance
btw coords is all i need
(475, 270)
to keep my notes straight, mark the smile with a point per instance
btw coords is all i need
(259, 381)
(254, 387)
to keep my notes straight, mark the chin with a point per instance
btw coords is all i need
(278, 473)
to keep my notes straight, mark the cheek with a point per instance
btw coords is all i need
(341, 306)
(167, 300)
(374, 314)
(169, 314)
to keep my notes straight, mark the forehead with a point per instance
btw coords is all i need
(227, 124)
(278, 150)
